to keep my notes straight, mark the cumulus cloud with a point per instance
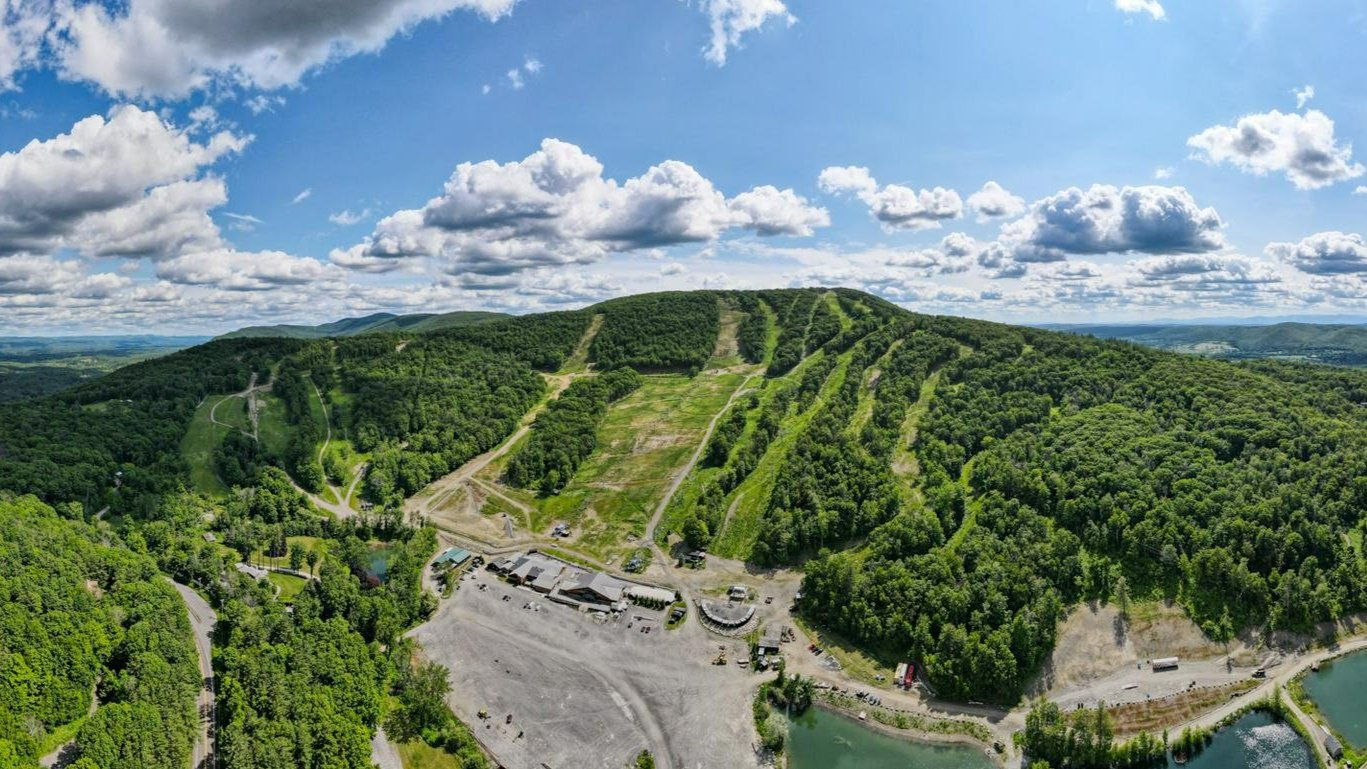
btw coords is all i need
(134, 186)
(556, 207)
(1302, 146)
(1163, 172)
(1152, 7)
(23, 24)
(168, 48)
(1324, 253)
(71, 189)
(895, 206)
(1360, 190)
(994, 202)
(731, 19)
(1104, 219)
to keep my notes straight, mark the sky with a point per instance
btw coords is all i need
(193, 166)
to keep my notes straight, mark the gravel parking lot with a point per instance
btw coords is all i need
(584, 693)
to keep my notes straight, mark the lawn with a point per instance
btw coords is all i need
(274, 430)
(289, 585)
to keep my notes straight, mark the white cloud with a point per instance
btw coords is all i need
(242, 222)
(1301, 146)
(1361, 190)
(1163, 172)
(1105, 219)
(168, 48)
(264, 103)
(485, 89)
(897, 207)
(1324, 253)
(347, 217)
(532, 65)
(731, 19)
(241, 271)
(1304, 95)
(515, 78)
(23, 24)
(303, 195)
(555, 207)
(1152, 7)
(994, 202)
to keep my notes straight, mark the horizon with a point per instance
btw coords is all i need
(1105, 162)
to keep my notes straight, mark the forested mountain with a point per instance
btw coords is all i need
(380, 322)
(950, 487)
(31, 367)
(1340, 344)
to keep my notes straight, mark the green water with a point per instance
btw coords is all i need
(820, 740)
(1337, 690)
(1255, 741)
(378, 561)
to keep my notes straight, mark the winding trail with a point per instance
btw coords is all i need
(202, 619)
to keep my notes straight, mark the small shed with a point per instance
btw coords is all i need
(452, 557)
(1332, 746)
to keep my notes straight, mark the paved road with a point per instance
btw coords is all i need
(202, 619)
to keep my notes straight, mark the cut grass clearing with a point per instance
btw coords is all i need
(197, 447)
(288, 584)
(644, 440)
(854, 661)
(274, 430)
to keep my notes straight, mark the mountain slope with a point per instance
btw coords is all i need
(379, 322)
(950, 486)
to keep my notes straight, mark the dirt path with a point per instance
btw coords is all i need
(202, 619)
(382, 751)
(252, 407)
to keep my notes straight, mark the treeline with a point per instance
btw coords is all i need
(1084, 739)
(794, 312)
(752, 336)
(426, 409)
(542, 341)
(566, 432)
(81, 615)
(654, 332)
(69, 446)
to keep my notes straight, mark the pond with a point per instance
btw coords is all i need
(377, 561)
(1256, 741)
(822, 740)
(1337, 691)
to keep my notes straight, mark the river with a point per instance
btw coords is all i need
(1337, 691)
(821, 740)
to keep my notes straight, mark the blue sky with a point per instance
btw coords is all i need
(1148, 158)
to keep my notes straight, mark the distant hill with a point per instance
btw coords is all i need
(1340, 344)
(369, 324)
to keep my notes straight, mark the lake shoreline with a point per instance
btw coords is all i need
(913, 735)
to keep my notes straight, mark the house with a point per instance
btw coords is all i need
(451, 557)
(595, 587)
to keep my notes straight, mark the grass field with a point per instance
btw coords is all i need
(197, 447)
(643, 441)
(274, 431)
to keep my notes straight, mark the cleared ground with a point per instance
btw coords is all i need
(585, 694)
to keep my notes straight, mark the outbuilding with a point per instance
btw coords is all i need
(1332, 746)
(1164, 663)
(452, 557)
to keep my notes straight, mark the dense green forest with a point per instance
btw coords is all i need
(657, 331)
(86, 621)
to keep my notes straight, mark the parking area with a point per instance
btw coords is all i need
(564, 688)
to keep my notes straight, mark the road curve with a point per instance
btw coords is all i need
(202, 619)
